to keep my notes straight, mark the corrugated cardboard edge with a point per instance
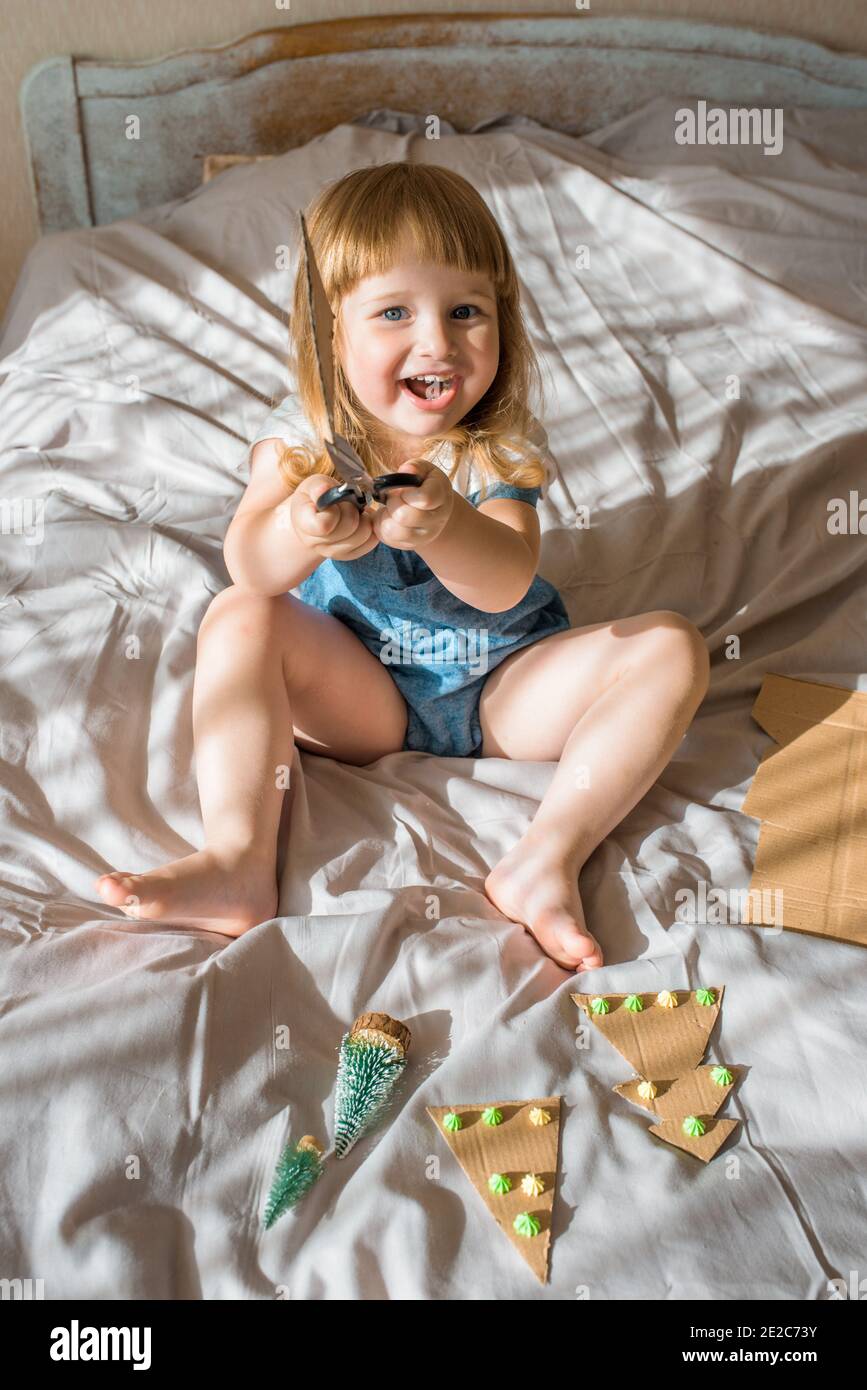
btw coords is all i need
(515, 1147)
(798, 715)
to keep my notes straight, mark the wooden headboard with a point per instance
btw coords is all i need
(270, 91)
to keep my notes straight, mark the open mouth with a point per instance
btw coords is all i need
(430, 392)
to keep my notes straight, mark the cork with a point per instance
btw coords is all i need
(307, 1141)
(382, 1028)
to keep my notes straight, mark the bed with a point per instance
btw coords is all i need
(148, 1082)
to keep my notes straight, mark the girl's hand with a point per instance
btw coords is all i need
(415, 516)
(340, 532)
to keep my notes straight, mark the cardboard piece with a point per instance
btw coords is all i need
(717, 1132)
(661, 1044)
(514, 1148)
(702, 1147)
(810, 793)
(665, 1046)
(692, 1094)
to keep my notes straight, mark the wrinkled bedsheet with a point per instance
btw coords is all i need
(144, 1098)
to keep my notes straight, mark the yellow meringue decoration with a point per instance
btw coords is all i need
(532, 1185)
(666, 999)
(647, 1090)
(539, 1116)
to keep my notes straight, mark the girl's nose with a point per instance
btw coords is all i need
(435, 337)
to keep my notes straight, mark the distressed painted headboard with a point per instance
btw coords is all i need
(272, 90)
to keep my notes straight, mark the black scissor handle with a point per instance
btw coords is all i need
(388, 480)
(346, 492)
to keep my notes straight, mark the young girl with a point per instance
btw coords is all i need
(421, 623)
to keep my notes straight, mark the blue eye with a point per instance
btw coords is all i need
(396, 309)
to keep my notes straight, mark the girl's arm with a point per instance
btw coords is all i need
(485, 555)
(277, 538)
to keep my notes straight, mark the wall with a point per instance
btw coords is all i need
(31, 30)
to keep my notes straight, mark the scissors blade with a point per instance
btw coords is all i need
(344, 458)
(322, 320)
(348, 464)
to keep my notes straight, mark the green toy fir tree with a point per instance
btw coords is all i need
(300, 1166)
(372, 1058)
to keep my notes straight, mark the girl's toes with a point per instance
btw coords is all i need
(562, 939)
(114, 889)
(574, 941)
(593, 962)
(110, 889)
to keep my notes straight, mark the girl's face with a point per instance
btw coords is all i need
(419, 319)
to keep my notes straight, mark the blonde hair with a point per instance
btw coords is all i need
(354, 226)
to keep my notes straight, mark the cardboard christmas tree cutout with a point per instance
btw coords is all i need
(508, 1150)
(664, 1037)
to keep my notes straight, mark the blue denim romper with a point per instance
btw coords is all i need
(438, 649)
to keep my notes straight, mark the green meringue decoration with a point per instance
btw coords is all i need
(693, 1126)
(599, 1005)
(633, 1003)
(526, 1224)
(452, 1121)
(705, 996)
(721, 1075)
(492, 1116)
(499, 1183)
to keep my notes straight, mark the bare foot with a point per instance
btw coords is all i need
(537, 887)
(222, 892)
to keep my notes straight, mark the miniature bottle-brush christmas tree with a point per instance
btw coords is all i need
(372, 1059)
(300, 1166)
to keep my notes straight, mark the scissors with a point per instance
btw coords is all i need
(357, 486)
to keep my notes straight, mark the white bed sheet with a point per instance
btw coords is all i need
(136, 364)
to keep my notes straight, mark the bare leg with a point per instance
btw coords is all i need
(268, 671)
(612, 701)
